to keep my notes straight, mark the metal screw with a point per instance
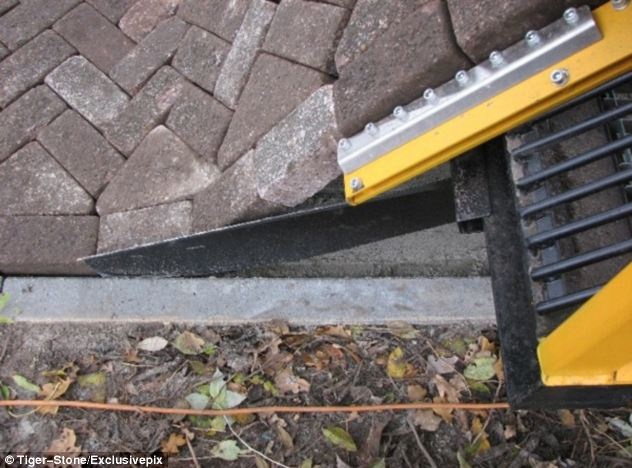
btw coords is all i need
(620, 4)
(462, 77)
(571, 16)
(532, 38)
(357, 184)
(344, 145)
(496, 58)
(372, 129)
(400, 113)
(430, 95)
(560, 77)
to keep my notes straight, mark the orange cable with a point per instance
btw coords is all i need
(263, 409)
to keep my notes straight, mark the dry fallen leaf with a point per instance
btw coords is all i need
(52, 391)
(426, 420)
(189, 343)
(442, 365)
(446, 389)
(445, 413)
(485, 344)
(481, 440)
(285, 438)
(416, 393)
(403, 330)
(499, 369)
(396, 365)
(172, 444)
(566, 417)
(336, 330)
(66, 443)
(509, 432)
(153, 344)
(287, 382)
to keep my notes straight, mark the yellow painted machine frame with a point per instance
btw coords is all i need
(592, 66)
(594, 346)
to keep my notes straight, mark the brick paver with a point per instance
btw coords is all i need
(144, 16)
(221, 17)
(30, 64)
(112, 9)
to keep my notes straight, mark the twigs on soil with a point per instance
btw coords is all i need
(423, 449)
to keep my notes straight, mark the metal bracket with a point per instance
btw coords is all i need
(546, 69)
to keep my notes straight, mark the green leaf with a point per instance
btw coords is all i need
(24, 384)
(480, 388)
(4, 299)
(5, 320)
(481, 368)
(221, 398)
(227, 450)
(217, 384)
(94, 386)
(5, 392)
(462, 461)
(340, 438)
(307, 463)
(379, 464)
(197, 401)
(209, 349)
(201, 422)
(218, 423)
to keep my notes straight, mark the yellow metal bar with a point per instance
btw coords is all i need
(593, 346)
(597, 64)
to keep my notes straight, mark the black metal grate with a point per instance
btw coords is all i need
(572, 173)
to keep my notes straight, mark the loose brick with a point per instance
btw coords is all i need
(200, 57)
(132, 228)
(20, 121)
(248, 41)
(6, 5)
(145, 111)
(487, 25)
(148, 56)
(81, 150)
(231, 198)
(201, 121)
(274, 89)
(47, 245)
(221, 17)
(112, 9)
(369, 20)
(30, 64)
(86, 89)
(145, 15)
(307, 32)
(33, 183)
(162, 170)
(94, 36)
(297, 158)
(391, 72)
(29, 18)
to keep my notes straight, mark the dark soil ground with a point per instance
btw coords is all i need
(279, 365)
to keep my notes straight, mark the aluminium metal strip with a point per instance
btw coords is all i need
(566, 59)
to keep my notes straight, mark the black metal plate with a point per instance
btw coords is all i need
(287, 237)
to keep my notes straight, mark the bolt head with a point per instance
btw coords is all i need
(462, 77)
(430, 95)
(532, 38)
(571, 16)
(496, 58)
(371, 129)
(344, 145)
(356, 184)
(400, 113)
(560, 77)
(620, 4)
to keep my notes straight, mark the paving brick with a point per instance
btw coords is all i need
(3, 51)
(33, 183)
(145, 111)
(200, 57)
(94, 36)
(274, 89)
(29, 18)
(81, 150)
(21, 120)
(248, 41)
(145, 15)
(369, 20)
(112, 9)
(6, 5)
(201, 121)
(348, 4)
(297, 158)
(162, 170)
(148, 56)
(391, 72)
(478, 32)
(221, 17)
(307, 32)
(86, 89)
(231, 198)
(132, 228)
(47, 245)
(29, 64)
